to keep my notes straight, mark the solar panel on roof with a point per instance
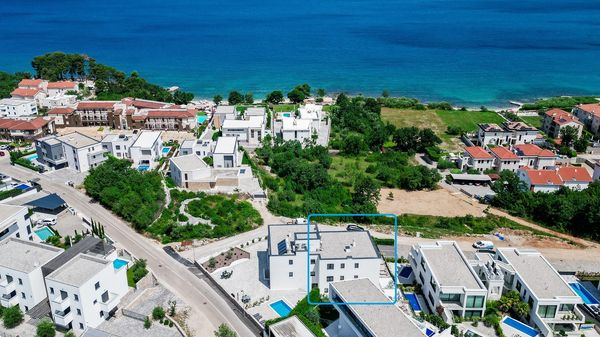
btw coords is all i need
(282, 247)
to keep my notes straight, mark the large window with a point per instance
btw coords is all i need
(547, 311)
(567, 307)
(472, 313)
(518, 286)
(330, 266)
(449, 297)
(475, 301)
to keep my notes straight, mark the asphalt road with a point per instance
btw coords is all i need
(209, 308)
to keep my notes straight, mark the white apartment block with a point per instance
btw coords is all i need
(368, 320)
(448, 280)
(200, 147)
(58, 101)
(334, 256)
(14, 108)
(227, 153)
(250, 131)
(85, 291)
(557, 119)
(476, 158)
(589, 114)
(61, 87)
(81, 152)
(146, 150)
(118, 145)
(296, 129)
(15, 223)
(21, 276)
(510, 133)
(504, 159)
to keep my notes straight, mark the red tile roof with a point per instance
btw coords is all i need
(477, 152)
(61, 111)
(30, 83)
(593, 108)
(25, 92)
(15, 124)
(144, 104)
(561, 117)
(543, 177)
(503, 153)
(138, 117)
(62, 85)
(175, 113)
(532, 150)
(573, 173)
(101, 105)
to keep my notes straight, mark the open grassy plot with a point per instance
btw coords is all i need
(535, 121)
(468, 120)
(285, 107)
(345, 169)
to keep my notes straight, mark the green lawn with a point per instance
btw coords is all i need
(468, 120)
(345, 169)
(285, 107)
(535, 121)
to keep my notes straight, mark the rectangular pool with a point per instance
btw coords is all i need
(143, 168)
(584, 294)
(526, 329)
(44, 233)
(118, 263)
(281, 308)
(413, 301)
(201, 119)
(31, 157)
(166, 149)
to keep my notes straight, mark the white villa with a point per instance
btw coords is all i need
(146, 150)
(249, 132)
(14, 223)
(296, 129)
(119, 144)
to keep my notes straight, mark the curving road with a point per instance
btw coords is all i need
(210, 309)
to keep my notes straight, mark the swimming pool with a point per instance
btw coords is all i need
(429, 332)
(166, 149)
(412, 300)
(287, 114)
(143, 168)
(22, 187)
(44, 233)
(584, 294)
(526, 329)
(281, 308)
(31, 157)
(201, 119)
(405, 272)
(118, 263)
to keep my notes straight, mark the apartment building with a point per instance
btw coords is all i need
(334, 256)
(575, 178)
(368, 320)
(15, 108)
(169, 119)
(97, 113)
(589, 115)
(447, 280)
(26, 129)
(21, 277)
(296, 129)
(61, 87)
(521, 133)
(250, 131)
(504, 159)
(535, 157)
(510, 133)
(14, 223)
(50, 152)
(119, 145)
(227, 153)
(557, 119)
(476, 158)
(85, 291)
(81, 152)
(146, 150)
(63, 116)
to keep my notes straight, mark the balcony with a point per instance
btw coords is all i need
(7, 287)
(59, 303)
(110, 303)
(9, 300)
(63, 318)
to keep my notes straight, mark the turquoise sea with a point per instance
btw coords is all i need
(469, 52)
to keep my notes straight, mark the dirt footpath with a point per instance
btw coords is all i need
(439, 202)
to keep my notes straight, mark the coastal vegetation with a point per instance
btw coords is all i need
(8, 82)
(563, 102)
(566, 210)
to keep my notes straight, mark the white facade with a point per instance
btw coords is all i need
(510, 133)
(14, 222)
(14, 108)
(21, 278)
(227, 153)
(476, 158)
(334, 256)
(118, 145)
(188, 169)
(82, 152)
(147, 149)
(200, 147)
(61, 88)
(85, 291)
(312, 112)
(58, 101)
(296, 129)
(249, 131)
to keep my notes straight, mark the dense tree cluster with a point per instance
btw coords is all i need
(392, 169)
(577, 212)
(412, 139)
(8, 82)
(111, 84)
(135, 196)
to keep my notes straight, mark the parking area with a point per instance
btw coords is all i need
(66, 175)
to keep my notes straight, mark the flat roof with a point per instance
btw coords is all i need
(8, 212)
(225, 145)
(15, 101)
(473, 177)
(253, 122)
(188, 143)
(290, 327)
(383, 320)
(253, 111)
(26, 256)
(189, 162)
(77, 140)
(539, 275)
(291, 124)
(225, 109)
(147, 139)
(78, 270)
(449, 265)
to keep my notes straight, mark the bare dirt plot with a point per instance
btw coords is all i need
(439, 203)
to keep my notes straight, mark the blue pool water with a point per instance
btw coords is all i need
(281, 308)
(22, 187)
(31, 157)
(166, 149)
(143, 168)
(287, 114)
(526, 329)
(584, 294)
(118, 263)
(201, 119)
(405, 272)
(470, 52)
(412, 300)
(44, 233)
(429, 332)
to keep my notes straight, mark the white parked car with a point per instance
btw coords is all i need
(483, 245)
(46, 222)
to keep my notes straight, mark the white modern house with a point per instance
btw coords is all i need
(81, 152)
(368, 320)
(296, 129)
(146, 150)
(15, 223)
(193, 173)
(289, 327)
(118, 145)
(85, 291)
(447, 280)
(222, 113)
(21, 276)
(476, 158)
(200, 147)
(14, 108)
(227, 153)
(335, 255)
(248, 131)
(312, 112)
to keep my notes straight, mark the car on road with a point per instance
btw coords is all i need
(46, 222)
(483, 245)
(1, 153)
(354, 228)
